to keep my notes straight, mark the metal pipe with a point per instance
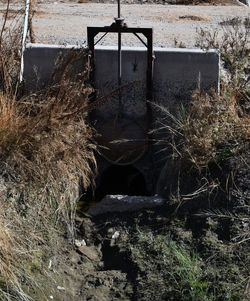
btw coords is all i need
(25, 29)
(120, 71)
(119, 8)
(119, 58)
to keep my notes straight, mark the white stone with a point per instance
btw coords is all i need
(79, 243)
(116, 235)
(60, 288)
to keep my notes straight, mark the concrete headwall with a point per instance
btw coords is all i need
(177, 73)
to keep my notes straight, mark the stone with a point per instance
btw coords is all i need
(60, 288)
(116, 235)
(124, 203)
(89, 252)
(79, 243)
(74, 257)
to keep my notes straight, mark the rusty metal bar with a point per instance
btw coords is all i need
(119, 9)
(139, 38)
(101, 38)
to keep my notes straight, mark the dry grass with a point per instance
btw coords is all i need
(10, 43)
(7, 254)
(214, 126)
(46, 134)
(46, 155)
(233, 44)
(212, 129)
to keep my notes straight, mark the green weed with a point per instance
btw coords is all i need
(174, 272)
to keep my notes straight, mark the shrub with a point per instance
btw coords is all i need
(214, 126)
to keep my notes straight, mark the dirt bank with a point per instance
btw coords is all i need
(158, 254)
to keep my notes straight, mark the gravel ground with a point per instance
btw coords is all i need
(66, 22)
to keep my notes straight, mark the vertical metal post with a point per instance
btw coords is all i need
(25, 30)
(119, 68)
(119, 9)
(91, 44)
(119, 59)
(149, 65)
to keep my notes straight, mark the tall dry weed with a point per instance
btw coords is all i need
(7, 254)
(45, 140)
(10, 45)
(46, 155)
(233, 40)
(214, 127)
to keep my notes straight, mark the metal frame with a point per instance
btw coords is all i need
(120, 27)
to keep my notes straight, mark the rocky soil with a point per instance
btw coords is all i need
(121, 260)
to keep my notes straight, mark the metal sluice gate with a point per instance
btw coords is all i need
(119, 26)
(129, 152)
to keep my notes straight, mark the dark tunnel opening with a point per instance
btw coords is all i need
(117, 179)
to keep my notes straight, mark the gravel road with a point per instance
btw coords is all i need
(66, 22)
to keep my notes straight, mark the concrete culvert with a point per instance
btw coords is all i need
(117, 179)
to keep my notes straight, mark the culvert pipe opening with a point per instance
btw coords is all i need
(116, 179)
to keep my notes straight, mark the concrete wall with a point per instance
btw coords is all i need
(177, 72)
(40, 61)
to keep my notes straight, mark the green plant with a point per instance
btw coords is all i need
(174, 272)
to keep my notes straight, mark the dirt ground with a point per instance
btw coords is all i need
(156, 254)
(66, 22)
(130, 266)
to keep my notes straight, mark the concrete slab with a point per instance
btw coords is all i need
(178, 72)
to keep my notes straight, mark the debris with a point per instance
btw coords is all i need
(193, 18)
(79, 243)
(50, 264)
(116, 235)
(60, 288)
(89, 252)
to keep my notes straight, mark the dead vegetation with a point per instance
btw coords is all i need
(46, 159)
(214, 125)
